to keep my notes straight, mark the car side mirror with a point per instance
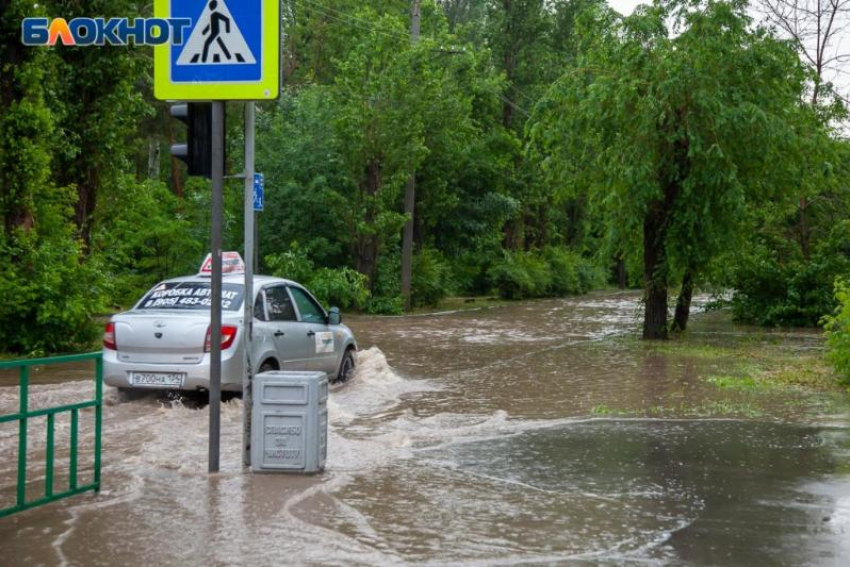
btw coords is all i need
(334, 318)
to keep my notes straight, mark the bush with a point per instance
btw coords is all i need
(780, 287)
(295, 265)
(510, 277)
(49, 295)
(553, 273)
(383, 305)
(838, 332)
(142, 237)
(345, 287)
(432, 278)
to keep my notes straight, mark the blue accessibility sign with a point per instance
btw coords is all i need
(259, 192)
(230, 51)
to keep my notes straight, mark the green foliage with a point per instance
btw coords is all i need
(571, 273)
(837, 328)
(432, 278)
(385, 305)
(386, 288)
(798, 245)
(521, 275)
(670, 121)
(143, 236)
(294, 264)
(49, 290)
(341, 287)
(778, 292)
(539, 135)
(554, 272)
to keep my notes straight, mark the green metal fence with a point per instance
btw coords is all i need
(24, 414)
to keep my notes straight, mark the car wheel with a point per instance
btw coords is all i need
(267, 366)
(346, 368)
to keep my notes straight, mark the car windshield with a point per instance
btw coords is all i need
(193, 296)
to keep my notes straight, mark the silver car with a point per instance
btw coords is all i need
(164, 341)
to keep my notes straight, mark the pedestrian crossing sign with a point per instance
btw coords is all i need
(229, 51)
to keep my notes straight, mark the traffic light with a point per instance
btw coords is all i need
(197, 151)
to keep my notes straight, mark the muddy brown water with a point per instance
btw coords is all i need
(471, 437)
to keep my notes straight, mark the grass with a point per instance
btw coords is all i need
(744, 375)
(756, 363)
(709, 408)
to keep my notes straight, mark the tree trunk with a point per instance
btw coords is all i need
(367, 243)
(507, 108)
(621, 272)
(655, 226)
(153, 158)
(175, 170)
(86, 203)
(409, 193)
(804, 229)
(407, 241)
(655, 273)
(655, 315)
(683, 303)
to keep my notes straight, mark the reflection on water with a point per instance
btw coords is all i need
(465, 437)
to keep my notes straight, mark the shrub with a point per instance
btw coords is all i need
(838, 332)
(781, 287)
(383, 305)
(565, 271)
(294, 264)
(510, 278)
(345, 288)
(554, 272)
(520, 275)
(432, 279)
(50, 293)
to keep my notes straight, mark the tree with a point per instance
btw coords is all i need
(99, 107)
(817, 28)
(670, 121)
(49, 289)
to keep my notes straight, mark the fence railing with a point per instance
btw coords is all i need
(51, 494)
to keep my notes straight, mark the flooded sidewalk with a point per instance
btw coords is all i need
(532, 433)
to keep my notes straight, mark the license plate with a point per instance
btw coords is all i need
(157, 379)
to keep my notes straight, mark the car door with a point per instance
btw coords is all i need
(295, 348)
(263, 332)
(314, 324)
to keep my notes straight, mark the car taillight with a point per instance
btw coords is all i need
(109, 336)
(228, 335)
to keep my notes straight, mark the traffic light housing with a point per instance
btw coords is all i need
(196, 153)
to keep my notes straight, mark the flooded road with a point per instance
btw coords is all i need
(535, 433)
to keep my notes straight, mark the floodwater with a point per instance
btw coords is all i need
(486, 436)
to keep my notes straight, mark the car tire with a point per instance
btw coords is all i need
(267, 366)
(346, 368)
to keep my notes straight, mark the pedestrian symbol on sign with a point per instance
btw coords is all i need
(259, 192)
(230, 51)
(216, 39)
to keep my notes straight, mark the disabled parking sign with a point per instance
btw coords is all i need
(231, 51)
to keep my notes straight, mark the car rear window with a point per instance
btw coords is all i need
(192, 296)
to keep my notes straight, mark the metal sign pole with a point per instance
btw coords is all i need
(215, 244)
(248, 317)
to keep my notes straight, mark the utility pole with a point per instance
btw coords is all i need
(215, 244)
(409, 192)
(248, 313)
